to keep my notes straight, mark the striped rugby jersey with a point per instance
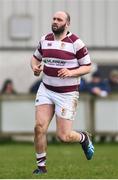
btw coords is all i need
(69, 53)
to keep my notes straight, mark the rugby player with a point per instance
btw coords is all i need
(66, 59)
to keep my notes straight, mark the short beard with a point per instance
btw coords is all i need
(59, 30)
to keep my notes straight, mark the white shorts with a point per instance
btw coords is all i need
(65, 103)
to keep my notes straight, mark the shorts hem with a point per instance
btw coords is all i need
(70, 119)
(38, 104)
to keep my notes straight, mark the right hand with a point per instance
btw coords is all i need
(37, 69)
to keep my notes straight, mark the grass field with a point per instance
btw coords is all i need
(17, 161)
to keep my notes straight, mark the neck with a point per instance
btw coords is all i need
(60, 36)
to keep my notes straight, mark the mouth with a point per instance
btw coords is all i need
(54, 26)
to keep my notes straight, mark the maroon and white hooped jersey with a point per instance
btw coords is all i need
(69, 53)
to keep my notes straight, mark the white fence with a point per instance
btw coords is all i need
(93, 114)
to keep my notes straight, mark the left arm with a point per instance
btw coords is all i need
(82, 70)
(83, 59)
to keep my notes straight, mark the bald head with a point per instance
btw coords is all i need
(63, 14)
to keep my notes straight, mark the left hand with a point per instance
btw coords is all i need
(64, 73)
(96, 91)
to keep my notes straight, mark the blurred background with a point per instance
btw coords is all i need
(22, 23)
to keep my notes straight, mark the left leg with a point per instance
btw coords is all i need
(65, 111)
(65, 132)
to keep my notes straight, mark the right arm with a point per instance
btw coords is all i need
(36, 60)
(36, 66)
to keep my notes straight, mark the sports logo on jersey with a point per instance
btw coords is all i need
(62, 45)
(57, 62)
(85, 50)
(49, 44)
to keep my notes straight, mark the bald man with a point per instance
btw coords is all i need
(66, 59)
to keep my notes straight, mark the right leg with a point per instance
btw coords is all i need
(43, 114)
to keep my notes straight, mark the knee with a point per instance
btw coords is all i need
(39, 129)
(63, 137)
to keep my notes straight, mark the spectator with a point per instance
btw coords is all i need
(34, 87)
(8, 87)
(83, 85)
(113, 80)
(97, 86)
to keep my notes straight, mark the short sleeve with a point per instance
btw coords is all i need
(38, 52)
(82, 54)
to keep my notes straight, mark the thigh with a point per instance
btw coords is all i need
(66, 105)
(44, 114)
(64, 126)
(43, 96)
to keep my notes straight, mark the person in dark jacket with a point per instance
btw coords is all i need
(98, 86)
(8, 87)
(113, 80)
(83, 85)
(34, 87)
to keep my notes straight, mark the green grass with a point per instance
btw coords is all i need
(17, 161)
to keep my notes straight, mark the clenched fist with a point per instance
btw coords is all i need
(37, 69)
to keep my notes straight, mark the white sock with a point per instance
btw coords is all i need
(41, 159)
(82, 137)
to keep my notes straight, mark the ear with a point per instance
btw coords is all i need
(68, 23)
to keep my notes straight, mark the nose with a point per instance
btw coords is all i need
(55, 20)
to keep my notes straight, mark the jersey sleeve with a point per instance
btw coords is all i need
(38, 52)
(82, 54)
